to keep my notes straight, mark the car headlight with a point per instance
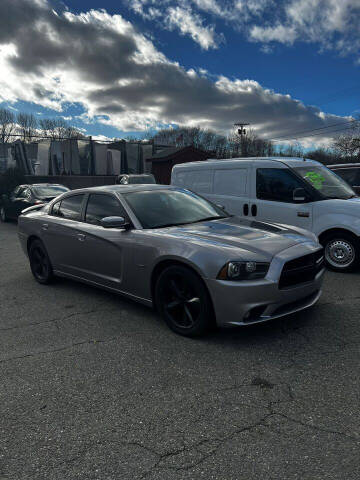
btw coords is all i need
(243, 271)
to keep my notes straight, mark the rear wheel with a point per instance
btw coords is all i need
(183, 301)
(40, 262)
(342, 251)
(3, 216)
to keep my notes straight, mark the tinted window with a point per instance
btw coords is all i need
(56, 208)
(160, 208)
(277, 184)
(350, 175)
(70, 207)
(100, 206)
(230, 181)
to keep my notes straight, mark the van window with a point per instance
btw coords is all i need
(277, 184)
(231, 181)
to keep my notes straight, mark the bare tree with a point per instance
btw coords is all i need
(58, 128)
(7, 125)
(27, 124)
(347, 146)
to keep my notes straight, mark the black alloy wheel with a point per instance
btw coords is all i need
(183, 301)
(40, 263)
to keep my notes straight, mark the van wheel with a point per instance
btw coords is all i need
(342, 252)
(183, 301)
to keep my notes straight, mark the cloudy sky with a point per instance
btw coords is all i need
(116, 67)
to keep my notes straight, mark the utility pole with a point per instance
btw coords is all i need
(241, 131)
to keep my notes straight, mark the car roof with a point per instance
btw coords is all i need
(288, 161)
(344, 165)
(123, 188)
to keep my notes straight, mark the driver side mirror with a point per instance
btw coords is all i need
(114, 222)
(300, 195)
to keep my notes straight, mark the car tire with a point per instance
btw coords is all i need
(3, 216)
(341, 251)
(40, 263)
(183, 301)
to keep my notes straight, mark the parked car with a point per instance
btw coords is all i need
(289, 191)
(350, 172)
(25, 196)
(170, 248)
(129, 179)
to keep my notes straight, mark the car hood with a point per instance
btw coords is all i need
(252, 236)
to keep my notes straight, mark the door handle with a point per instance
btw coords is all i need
(44, 226)
(246, 209)
(253, 210)
(81, 237)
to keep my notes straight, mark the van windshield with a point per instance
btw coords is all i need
(326, 182)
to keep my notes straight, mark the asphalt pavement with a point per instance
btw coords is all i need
(93, 386)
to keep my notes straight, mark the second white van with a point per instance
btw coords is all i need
(281, 190)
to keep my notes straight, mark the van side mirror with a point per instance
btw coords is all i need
(300, 195)
(114, 222)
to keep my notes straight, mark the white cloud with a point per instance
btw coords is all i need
(103, 63)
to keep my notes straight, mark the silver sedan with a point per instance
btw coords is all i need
(170, 248)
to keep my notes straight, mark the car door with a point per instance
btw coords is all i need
(272, 197)
(103, 253)
(60, 231)
(231, 189)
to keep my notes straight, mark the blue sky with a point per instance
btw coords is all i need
(119, 68)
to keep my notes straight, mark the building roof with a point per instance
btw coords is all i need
(169, 153)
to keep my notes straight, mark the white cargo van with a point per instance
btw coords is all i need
(290, 191)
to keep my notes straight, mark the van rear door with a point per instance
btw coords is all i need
(272, 197)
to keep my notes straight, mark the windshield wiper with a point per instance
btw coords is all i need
(212, 218)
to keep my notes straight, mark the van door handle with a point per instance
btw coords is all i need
(81, 237)
(246, 209)
(253, 210)
(44, 226)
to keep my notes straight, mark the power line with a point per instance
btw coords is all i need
(311, 135)
(313, 130)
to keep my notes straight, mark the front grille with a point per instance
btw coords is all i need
(301, 270)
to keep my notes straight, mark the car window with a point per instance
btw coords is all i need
(23, 193)
(70, 207)
(159, 208)
(350, 175)
(49, 190)
(277, 184)
(55, 209)
(100, 206)
(231, 181)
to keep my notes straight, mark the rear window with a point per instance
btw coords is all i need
(49, 190)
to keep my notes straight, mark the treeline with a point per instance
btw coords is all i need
(26, 127)
(344, 149)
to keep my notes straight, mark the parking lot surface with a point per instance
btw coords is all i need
(97, 387)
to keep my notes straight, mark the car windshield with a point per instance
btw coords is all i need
(49, 190)
(164, 208)
(326, 182)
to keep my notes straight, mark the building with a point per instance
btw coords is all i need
(163, 161)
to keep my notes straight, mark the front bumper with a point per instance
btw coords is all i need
(249, 302)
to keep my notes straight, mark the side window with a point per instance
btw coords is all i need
(70, 207)
(199, 181)
(230, 181)
(56, 209)
(277, 184)
(350, 175)
(100, 206)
